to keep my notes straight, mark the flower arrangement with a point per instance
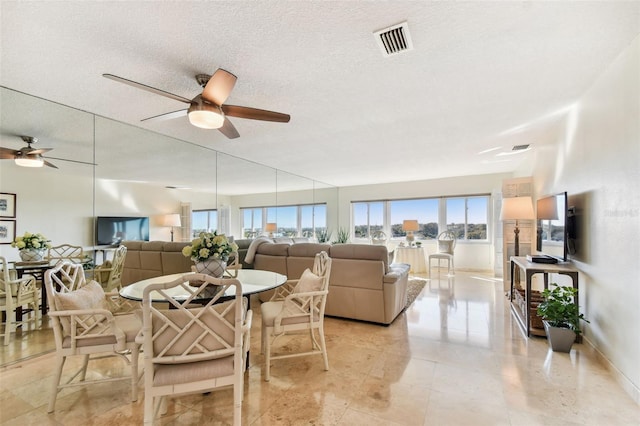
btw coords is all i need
(208, 245)
(31, 241)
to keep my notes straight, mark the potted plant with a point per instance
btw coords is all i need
(31, 246)
(561, 316)
(210, 252)
(343, 236)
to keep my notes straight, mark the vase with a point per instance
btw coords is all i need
(213, 267)
(560, 339)
(31, 255)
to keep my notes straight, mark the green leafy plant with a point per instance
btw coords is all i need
(323, 235)
(343, 236)
(558, 308)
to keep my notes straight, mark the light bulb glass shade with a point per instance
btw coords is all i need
(517, 208)
(205, 115)
(170, 220)
(271, 227)
(30, 161)
(410, 225)
(548, 208)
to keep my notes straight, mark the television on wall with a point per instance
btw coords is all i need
(111, 230)
(553, 226)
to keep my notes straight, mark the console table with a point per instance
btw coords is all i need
(521, 310)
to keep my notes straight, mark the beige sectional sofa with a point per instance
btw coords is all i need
(363, 284)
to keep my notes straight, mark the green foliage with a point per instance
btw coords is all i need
(323, 235)
(343, 236)
(559, 309)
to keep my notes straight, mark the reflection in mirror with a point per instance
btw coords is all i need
(137, 173)
(243, 187)
(56, 202)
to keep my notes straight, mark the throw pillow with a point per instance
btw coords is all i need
(89, 296)
(308, 282)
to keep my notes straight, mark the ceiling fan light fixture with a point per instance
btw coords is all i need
(205, 115)
(29, 161)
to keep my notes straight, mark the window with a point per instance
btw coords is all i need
(467, 217)
(292, 221)
(203, 221)
(425, 211)
(368, 217)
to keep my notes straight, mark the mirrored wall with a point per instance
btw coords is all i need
(108, 168)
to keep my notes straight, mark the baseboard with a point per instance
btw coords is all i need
(632, 390)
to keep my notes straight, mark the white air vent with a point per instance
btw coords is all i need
(520, 147)
(395, 39)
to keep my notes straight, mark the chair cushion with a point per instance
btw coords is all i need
(89, 296)
(173, 374)
(130, 324)
(101, 274)
(308, 282)
(270, 311)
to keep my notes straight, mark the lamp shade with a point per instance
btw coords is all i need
(517, 208)
(410, 225)
(548, 208)
(271, 227)
(170, 220)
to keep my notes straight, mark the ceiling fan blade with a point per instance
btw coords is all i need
(255, 113)
(229, 130)
(219, 86)
(167, 116)
(7, 154)
(73, 161)
(147, 88)
(46, 163)
(40, 151)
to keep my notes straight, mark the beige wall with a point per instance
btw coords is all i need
(597, 161)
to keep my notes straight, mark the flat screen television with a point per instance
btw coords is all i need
(552, 234)
(111, 230)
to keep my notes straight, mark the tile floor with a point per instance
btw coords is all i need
(455, 357)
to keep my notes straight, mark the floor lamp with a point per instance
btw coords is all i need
(517, 208)
(171, 220)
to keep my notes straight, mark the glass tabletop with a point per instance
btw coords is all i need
(253, 281)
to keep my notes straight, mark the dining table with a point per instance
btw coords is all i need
(253, 281)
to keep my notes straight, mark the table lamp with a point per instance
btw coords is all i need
(517, 208)
(171, 220)
(271, 227)
(409, 226)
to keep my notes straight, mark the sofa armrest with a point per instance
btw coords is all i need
(396, 271)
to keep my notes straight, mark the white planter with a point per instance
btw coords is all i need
(31, 255)
(213, 267)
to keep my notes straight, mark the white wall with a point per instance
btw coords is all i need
(597, 161)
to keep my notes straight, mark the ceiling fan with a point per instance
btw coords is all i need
(207, 110)
(31, 157)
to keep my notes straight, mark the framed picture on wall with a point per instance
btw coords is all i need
(7, 204)
(7, 231)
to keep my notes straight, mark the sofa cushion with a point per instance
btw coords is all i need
(360, 251)
(276, 249)
(308, 249)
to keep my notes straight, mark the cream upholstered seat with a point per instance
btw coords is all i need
(446, 243)
(298, 308)
(68, 252)
(191, 349)
(82, 326)
(109, 274)
(16, 293)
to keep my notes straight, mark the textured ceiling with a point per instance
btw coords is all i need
(482, 77)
